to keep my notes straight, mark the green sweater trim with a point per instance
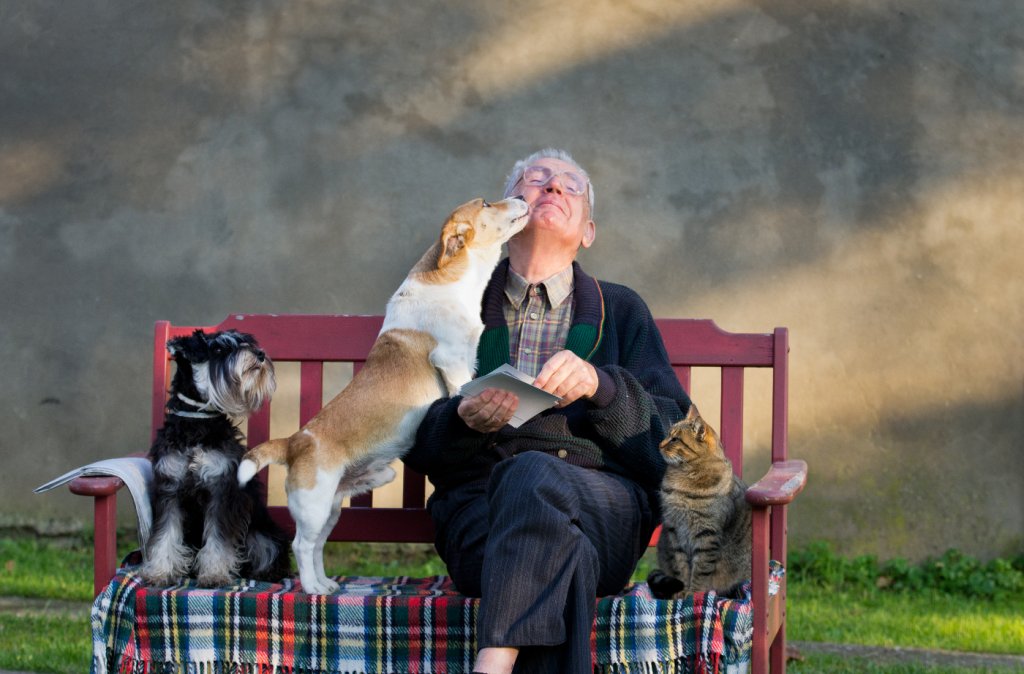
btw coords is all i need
(493, 350)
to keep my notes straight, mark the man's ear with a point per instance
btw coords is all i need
(454, 237)
(589, 234)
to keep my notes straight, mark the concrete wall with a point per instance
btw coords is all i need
(852, 170)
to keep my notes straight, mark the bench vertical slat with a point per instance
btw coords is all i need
(363, 500)
(780, 452)
(683, 375)
(311, 390)
(780, 395)
(732, 416)
(414, 488)
(257, 431)
(258, 426)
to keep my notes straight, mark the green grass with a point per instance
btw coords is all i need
(29, 568)
(61, 645)
(924, 620)
(836, 664)
(831, 600)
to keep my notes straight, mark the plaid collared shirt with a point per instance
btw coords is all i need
(538, 316)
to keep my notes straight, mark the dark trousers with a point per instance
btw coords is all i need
(538, 542)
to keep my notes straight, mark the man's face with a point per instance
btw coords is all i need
(553, 208)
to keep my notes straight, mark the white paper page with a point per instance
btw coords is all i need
(532, 400)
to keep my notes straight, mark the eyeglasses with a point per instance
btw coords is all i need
(572, 182)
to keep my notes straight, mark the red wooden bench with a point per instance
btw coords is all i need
(313, 340)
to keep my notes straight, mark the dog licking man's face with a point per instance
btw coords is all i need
(229, 370)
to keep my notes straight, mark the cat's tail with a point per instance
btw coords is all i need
(257, 458)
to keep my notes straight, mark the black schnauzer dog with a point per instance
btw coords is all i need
(205, 525)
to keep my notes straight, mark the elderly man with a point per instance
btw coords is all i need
(540, 520)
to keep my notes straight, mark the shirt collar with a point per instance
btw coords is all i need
(557, 287)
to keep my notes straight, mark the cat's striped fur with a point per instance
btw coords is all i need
(705, 539)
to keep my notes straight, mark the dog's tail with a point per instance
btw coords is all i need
(257, 458)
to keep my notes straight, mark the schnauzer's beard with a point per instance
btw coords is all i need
(237, 385)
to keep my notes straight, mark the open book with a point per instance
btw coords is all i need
(532, 400)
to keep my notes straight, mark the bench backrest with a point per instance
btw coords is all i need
(313, 340)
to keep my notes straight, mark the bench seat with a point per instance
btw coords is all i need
(378, 625)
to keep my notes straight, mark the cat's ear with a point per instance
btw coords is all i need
(700, 430)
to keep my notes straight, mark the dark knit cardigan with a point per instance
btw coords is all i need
(618, 430)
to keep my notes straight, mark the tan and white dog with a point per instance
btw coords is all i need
(426, 350)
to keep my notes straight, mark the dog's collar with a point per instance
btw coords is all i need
(201, 407)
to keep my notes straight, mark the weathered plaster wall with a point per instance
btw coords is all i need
(851, 170)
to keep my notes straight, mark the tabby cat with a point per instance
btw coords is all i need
(705, 537)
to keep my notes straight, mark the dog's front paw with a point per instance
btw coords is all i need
(320, 586)
(162, 573)
(213, 580)
(159, 578)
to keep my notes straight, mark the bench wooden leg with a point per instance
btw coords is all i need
(103, 490)
(105, 545)
(759, 598)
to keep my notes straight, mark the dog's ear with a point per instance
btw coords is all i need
(454, 238)
(192, 347)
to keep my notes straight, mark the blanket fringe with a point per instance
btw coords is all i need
(133, 666)
(694, 664)
(99, 663)
(690, 665)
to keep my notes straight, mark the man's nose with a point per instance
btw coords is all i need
(555, 185)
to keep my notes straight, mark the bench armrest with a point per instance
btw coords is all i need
(95, 486)
(780, 485)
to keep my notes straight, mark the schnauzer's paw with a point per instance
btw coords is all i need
(159, 579)
(213, 580)
(216, 564)
(163, 573)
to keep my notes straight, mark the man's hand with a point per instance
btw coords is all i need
(568, 376)
(489, 410)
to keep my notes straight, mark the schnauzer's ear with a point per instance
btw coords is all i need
(193, 347)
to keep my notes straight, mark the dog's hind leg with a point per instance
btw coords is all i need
(263, 554)
(377, 474)
(266, 551)
(312, 509)
(321, 541)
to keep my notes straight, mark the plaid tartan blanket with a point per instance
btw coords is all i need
(384, 625)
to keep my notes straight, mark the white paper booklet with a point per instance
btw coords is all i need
(532, 400)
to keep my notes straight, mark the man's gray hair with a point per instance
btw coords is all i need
(548, 153)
